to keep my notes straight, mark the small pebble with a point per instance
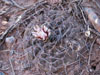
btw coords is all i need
(9, 41)
(87, 33)
(4, 22)
(91, 70)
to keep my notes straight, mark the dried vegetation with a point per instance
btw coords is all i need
(67, 51)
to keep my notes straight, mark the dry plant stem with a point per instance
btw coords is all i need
(72, 63)
(17, 5)
(2, 13)
(97, 3)
(12, 2)
(84, 17)
(11, 66)
(87, 69)
(6, 32)
(91, 51)
(97, 33)
(82, 72)
(81, 55)
(5, 50)
(80, 1)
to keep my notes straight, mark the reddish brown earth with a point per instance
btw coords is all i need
(68, 50)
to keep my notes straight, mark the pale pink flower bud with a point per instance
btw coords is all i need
(41, 32)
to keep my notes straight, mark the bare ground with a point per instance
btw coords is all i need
(68, 51)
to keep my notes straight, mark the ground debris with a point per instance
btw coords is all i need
(73, 46)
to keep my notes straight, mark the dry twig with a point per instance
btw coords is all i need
(12, 66)
(91, 48)
(12, 2)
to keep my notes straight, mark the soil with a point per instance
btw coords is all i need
(73, 48)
